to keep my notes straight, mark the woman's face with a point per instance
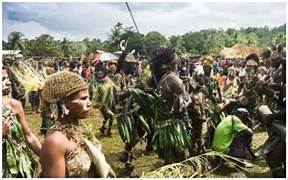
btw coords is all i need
(207, 69)
(173, 65)
(80, 105)
(231, 73)
(6, 83)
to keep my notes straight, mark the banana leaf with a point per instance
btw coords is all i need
(20, 161)
(196, 166)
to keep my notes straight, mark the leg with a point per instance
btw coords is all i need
(149, 146)
(275, 160)
(109, 130)
(105, 119)
(110, 116)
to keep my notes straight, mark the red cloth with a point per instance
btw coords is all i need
(221, 79)
(86, 71)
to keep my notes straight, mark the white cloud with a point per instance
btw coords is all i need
(29, 29)
(95, 20)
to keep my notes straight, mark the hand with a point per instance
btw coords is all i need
(98, 144)
(266, 119)
(6, 126)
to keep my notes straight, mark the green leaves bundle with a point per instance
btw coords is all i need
(20, 162)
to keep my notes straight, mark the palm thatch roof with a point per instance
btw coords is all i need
(238, 51)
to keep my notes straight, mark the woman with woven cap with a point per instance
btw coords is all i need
(65, 94)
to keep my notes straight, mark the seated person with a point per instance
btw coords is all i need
(233, 137)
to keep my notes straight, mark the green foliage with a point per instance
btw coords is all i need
(115, 37)
(153, 40)
(119, 33)
(93, 45)
(78, 48)
(211, 41)
(15, 41)
(193, 42)
(44, 45)
(279, 38)
(19, 162)
(134, 41)
(65, 46)
(253, 39)
(204, 42)
(178, 43)
(4, 45)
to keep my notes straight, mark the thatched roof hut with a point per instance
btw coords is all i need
(227, 53)
(238, 51)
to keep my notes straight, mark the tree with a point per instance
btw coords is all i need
(15, 41)
(253, 39)
(119, 33)
(240, 37)
(65, 46)
(213, 42)
(208, 41)
(279, 38)
(193, 42)
(45, 45)
(93, 45)
(4, 45)
(178, 43)
(79, 48)
(153, 40)
(134, 41)
(230, 40)
(114, 38)
(265, 36)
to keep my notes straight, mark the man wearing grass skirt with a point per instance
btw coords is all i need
(172, 89)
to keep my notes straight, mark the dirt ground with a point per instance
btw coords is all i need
(113, 146)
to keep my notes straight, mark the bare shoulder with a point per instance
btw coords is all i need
(176, 84)
(55, 140)
(52, 154)
(15, 104)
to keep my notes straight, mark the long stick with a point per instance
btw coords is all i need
(149, 60)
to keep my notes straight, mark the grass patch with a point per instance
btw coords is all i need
(112, 148)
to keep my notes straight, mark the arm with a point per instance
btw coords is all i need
(120, 95)
(228, 108)
(52, 157)
(279, 129)
(6, 126)
(178, 90)
(275, 116)
(31, 140)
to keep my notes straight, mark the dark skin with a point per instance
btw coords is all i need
(56, 143)
(175, 84)
(6, 126)
(31, 140)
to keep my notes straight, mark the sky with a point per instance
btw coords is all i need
(76, 21)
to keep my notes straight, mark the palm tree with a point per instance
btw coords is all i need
(114, 37)
(4, 45)
(15, 41)
(65, 45)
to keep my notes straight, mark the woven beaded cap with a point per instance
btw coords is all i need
(60, 85)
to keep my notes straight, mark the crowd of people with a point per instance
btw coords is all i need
(216, 103)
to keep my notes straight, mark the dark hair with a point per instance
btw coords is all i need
(72, 65)
(163, 56)
(252, 56)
